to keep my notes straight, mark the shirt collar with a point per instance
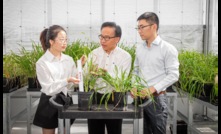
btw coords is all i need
(51, 57)
(156, 41)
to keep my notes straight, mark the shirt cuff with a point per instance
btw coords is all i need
(64, 83)
(158, 88)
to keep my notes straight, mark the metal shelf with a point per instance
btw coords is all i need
(205, 127)
(200, 127)
(208, 105)
(8, 119)
(30, 106)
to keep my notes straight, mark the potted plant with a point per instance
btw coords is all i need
(139, 83)
(10, 72)
(90, 75)
(77, 49)
(27, 62)
(196, 73)
(122, 83)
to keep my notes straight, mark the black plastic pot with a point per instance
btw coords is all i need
(84, 101)
(215, 101)
(33, 84)
(207, 89)
(9, 84)
(18, 81)
(120, 101)
(206, 92)
(181, 127)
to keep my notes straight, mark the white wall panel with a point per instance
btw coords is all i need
(181, 21)
(193, 12)
(33, 21)
(109, 10)
(79, 19)
(95, 19)
(170, 12)
(11, 25)
(143, 6)
(23, 21)
(125, 14)
(59, 12)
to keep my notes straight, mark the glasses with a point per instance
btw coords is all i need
(63, 40)
(142, 27)
(106, 38)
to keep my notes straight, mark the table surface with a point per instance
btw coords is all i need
(73, 112)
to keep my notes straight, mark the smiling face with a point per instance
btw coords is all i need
(108, 40)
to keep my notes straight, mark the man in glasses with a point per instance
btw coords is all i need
(107, 56)
(158, 65)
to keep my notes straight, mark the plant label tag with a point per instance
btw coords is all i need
(80, 76)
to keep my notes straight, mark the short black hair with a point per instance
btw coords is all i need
(150, 17)
(114, 25)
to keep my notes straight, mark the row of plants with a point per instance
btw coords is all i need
(197, 74)
(22, 64)
(196, 69)
(10, 74)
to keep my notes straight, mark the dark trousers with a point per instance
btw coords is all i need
(97, 126)
(155, 116)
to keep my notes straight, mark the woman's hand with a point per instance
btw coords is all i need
(73, 80)
(83, 59)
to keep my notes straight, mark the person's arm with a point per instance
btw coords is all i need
(48, 84)
(172, 70)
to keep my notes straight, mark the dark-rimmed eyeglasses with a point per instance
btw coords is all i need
(142, 27)
(106, 38)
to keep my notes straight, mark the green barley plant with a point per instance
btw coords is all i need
(123, 82)
(78, 48)
(196, 70)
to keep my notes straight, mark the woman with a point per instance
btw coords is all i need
(55, 73)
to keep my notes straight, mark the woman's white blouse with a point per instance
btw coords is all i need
(52, 73)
